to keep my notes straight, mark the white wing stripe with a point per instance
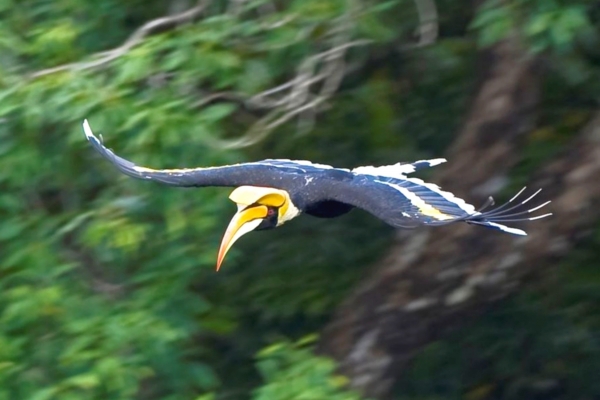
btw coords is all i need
(460, 203)
(424, 208)
(398, 170)
(287, 163)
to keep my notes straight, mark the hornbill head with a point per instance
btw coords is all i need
(258, 208)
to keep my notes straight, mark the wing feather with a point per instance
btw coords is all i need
(409, 202)
(273, 173)
(420, 203)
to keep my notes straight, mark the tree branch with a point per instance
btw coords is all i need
(428, 24)
(299, 101)
(133, 40)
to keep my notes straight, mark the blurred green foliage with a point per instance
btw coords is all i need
(107, 284)
(544, 24)
(565, 32)
(291, 371)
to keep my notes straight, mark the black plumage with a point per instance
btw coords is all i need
(323, 191)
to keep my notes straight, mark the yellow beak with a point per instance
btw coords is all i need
(243, 222)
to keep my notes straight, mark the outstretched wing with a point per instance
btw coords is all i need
(386, 192)
(409, 202)
(281, 174)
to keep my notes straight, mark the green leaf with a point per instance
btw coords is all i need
(217, 112)
(83, 381)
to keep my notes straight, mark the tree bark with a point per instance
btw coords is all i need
(433, 280)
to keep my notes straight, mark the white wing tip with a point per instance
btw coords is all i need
(518, 232)
(87, 130)
(437, 161)
(507, 229)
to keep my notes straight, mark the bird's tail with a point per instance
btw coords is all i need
(508, 212)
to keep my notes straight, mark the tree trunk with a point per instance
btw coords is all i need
(435, 279)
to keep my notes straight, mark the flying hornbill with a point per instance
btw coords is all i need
(271, 192)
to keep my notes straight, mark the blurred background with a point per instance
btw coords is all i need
(107, 284)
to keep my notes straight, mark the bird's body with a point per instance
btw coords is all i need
(293, 187)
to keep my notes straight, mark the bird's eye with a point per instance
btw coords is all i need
(270, 212)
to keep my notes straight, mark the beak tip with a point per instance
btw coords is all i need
(243, 222)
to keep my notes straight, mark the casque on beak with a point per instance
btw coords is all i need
(253, 208)
(244, 221)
